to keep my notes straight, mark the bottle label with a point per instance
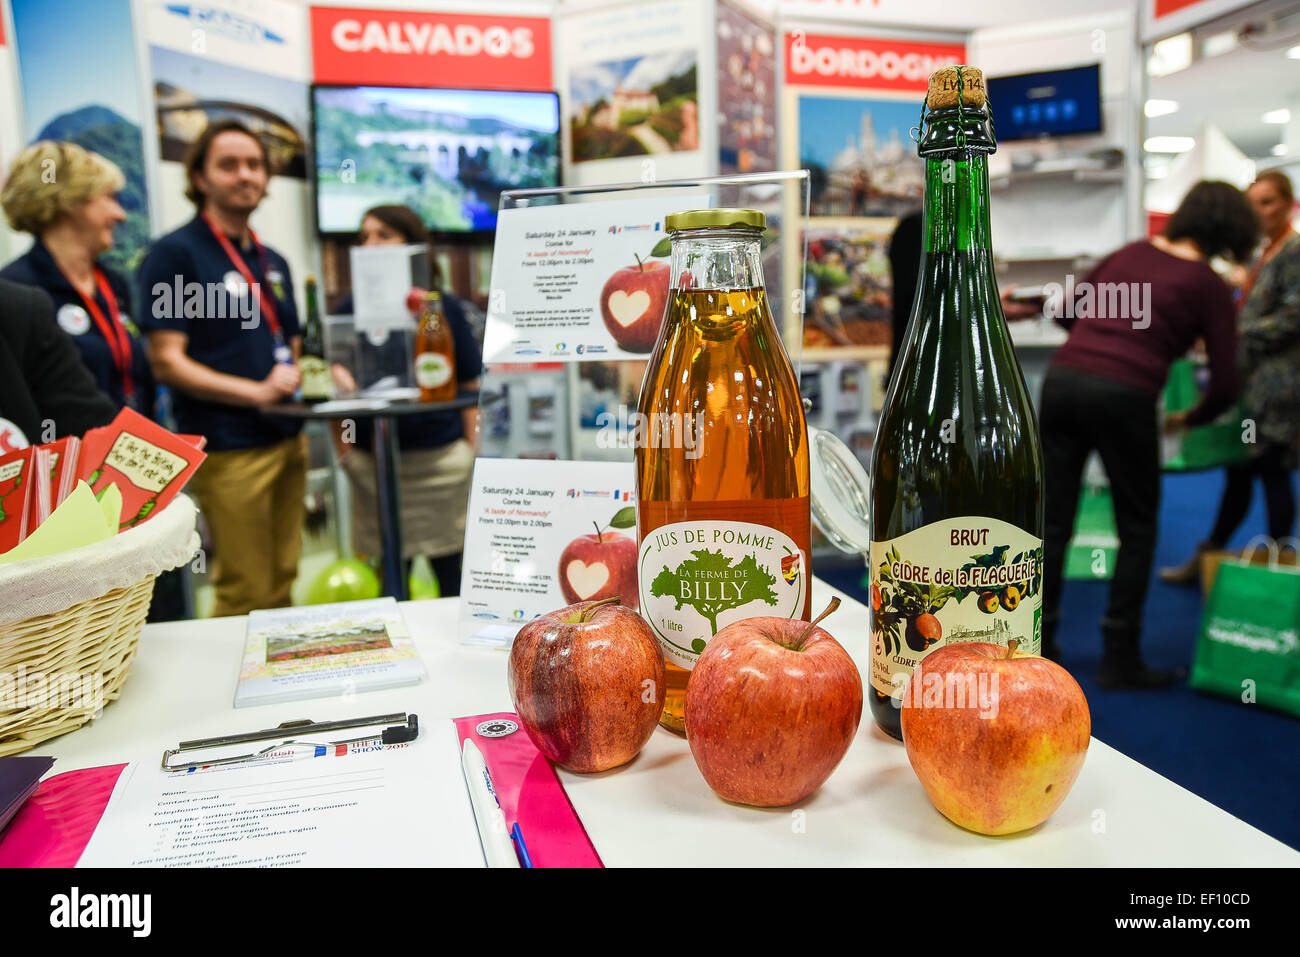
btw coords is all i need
(962, 579)
(316, 380)
(697, 577)
(431, 370)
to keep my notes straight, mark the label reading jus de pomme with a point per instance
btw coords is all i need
(962, 579)
(695, 578)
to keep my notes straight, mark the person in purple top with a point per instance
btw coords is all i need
(1130, 318)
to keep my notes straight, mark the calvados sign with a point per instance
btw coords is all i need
(409, 48)
(859, 62)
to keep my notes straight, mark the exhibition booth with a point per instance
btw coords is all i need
(564, 159)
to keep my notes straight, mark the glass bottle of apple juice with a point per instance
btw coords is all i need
(721, 451)
(957, 470)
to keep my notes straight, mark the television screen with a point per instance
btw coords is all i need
(1052, 103)
(447, 154)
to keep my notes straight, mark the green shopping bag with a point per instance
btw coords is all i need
(1208, 446)
(1092, 550)
(1249, 645)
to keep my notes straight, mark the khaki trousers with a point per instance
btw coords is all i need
(253, 502)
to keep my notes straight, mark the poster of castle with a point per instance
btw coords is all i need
(861, 156)
(635, 106)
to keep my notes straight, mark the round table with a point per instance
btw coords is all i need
(387, 462)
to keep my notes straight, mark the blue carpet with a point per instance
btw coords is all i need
(1242, 758)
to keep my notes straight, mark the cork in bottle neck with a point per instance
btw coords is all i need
(944, 84)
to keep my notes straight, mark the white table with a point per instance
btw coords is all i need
(658, 809)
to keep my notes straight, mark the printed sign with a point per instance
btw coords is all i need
(409, 48)
(859, 62)
(580, 282)
(541, 539)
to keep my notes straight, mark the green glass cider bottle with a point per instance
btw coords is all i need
(957, 487)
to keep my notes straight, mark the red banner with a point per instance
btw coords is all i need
(1165, 7)
(813, 60)
(408, 48)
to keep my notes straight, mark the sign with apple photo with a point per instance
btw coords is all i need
(561, 533)
(581, 282)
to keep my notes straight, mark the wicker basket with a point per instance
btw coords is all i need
(70, 625)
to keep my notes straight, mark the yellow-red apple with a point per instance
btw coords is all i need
(996, 736)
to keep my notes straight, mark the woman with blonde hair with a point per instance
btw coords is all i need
(66, 197)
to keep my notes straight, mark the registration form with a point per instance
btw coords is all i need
(402, 805)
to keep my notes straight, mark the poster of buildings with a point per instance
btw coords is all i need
(873, 170)
(629, 76)
(635, 106)
(192, 91)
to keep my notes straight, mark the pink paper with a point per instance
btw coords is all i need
(54, 826)
(530, 793)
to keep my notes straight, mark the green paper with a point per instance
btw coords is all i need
(78, 521)
(110, 502)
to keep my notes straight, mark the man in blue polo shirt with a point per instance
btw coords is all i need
(223, 333)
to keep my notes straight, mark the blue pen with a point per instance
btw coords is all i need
(521, 848)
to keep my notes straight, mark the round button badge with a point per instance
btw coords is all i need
(496, 728)
(73, 319)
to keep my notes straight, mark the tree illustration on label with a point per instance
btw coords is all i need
(711, 584)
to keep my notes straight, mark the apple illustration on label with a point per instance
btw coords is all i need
(633, 303)
(996, 736)
(772, 706)
(595, 567)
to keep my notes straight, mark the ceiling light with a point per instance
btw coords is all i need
(1169, 144)
(1279, 150)
(1170, 55)
(1219, 44)
(1161, 107)
(1280, 117)
(1294, 53)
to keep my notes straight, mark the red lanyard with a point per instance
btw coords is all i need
(111, 328)
(268, 304)
(1262, 261)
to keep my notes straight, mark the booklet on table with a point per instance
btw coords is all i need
(319, 651)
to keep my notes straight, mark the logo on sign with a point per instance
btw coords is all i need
(462, 39)
(225, 23)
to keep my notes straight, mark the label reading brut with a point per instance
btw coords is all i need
(963, 579)
(698, 577)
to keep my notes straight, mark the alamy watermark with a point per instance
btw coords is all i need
(1130, 301)
(929, 689)
(662, 430)
(74, 691)
(231, 298)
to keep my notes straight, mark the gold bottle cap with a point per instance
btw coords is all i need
(943, 88)
(715, 219)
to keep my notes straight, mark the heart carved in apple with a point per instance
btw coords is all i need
(600, 566)
(632, 303)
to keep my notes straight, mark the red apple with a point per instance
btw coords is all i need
(996, 736)
(588, 684)
(633, 303)
(771, 707)
(599, 566)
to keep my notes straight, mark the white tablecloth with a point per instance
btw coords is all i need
(658, 810)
